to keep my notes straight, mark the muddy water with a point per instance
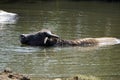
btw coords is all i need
(70, 20)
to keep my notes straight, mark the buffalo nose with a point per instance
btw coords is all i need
(23, 39)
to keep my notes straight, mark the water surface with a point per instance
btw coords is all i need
(70, 20)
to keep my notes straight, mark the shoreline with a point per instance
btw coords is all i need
(8, 74)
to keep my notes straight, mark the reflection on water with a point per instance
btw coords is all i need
(70, 20)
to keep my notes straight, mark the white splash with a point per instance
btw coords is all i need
(118, 41)
(108, 41)
(8, 17)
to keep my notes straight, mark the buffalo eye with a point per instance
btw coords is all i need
(22, 36)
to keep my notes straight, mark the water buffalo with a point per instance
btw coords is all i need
(46, 38)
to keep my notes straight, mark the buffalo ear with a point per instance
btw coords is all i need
(54, 35)
(51, 35)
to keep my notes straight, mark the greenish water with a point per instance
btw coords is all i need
(70, 20)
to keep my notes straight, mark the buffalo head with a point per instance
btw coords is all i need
(41, 38)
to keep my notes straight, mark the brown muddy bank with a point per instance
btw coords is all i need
(75, 77)
(8, 74)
